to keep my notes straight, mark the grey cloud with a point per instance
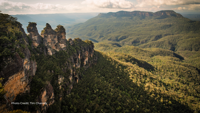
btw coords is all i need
(114, 4)
(7, 6)
(18, 7)
(191, 2)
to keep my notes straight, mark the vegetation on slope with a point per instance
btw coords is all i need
(126, 78)
(174, 33)
(10, 38)
(12, 42)
(191, 57)
(48, 70)
(162, 67)
(137, 52)
(171, 75)
(115, 86)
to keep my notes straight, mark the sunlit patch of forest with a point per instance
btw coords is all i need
(120, 83)
(160, 77)
(174, 33)
(172, 74)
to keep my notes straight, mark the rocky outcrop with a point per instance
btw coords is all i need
(80, 56)
(46, 98)
(33, 34)
(52, 40)
(18, 71)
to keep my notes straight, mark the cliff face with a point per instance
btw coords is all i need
(79, 55)
(46, 97)
(17, 69)
(34, 35)
(48, 79)
(52, 40)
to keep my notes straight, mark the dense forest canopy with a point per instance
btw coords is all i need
(145, 64)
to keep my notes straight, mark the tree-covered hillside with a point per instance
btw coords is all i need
(10, 42)
(120, 84)
(172, 32)
(161, 52)
(143, 63)
(173, 74)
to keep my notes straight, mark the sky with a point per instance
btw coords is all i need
(13, 7)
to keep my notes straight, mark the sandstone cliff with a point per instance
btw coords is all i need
(75, 57)
(43, 67)
(17, 68)
(33, 34)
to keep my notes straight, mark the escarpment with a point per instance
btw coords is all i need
(16, 67)
(63, 63)
(43, 68)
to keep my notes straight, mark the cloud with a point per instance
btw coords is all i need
(178, 4)
(194, 7)
(188, 2)
(180, 8)
(6, 6)
(41, 6)
(146, 3)
(143, 3)
(118, 4)
(98, 6)
(22, 8)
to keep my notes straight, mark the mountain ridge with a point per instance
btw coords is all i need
(168, 30)
(70, 76)
(141, 13)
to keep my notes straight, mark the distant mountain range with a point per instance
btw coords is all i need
(73, 18)
(162, 29)
(53, 19)
(192, 16)
(143, 14)
(161, 74)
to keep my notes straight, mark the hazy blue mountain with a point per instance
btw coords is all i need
(192, 16)
(53, 19)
